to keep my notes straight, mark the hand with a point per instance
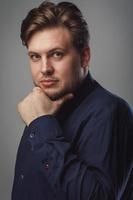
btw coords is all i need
(37, 104)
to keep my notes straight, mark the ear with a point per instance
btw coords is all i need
(85, 57)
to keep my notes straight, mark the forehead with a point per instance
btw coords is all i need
(51, 38)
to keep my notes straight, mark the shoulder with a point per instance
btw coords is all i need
(102, 102)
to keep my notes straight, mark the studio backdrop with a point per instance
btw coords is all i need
(111, 30)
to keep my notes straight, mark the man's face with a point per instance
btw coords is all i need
(56, 66)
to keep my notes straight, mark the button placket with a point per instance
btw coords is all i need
(31, 139)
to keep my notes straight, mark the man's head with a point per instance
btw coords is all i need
(49, 15)
(57, 38)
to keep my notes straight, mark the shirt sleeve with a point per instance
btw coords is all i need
(79, 174)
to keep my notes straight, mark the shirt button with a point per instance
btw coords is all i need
(22, 176)
(32, 135)
(46, 165)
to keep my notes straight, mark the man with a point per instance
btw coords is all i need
(77, 144)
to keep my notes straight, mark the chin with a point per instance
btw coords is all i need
(55, 95)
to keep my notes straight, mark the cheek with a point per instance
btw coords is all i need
(66, 74)
(34, 70)
(73, 70)
(69, 77)
(35, 75)
(68, 68)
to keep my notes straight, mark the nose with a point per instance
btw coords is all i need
(46, 67)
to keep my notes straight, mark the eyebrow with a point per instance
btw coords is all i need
(50, 51)
(32, 52)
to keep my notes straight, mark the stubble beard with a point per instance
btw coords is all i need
(58, 94)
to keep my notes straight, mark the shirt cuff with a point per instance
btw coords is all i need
(43, 129)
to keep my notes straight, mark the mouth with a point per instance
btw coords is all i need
(48, 82)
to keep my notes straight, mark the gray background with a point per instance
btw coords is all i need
(111, 29)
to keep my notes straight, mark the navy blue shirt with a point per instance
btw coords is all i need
(85, 152)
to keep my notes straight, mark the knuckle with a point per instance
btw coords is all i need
(36, 89)
(19, 106)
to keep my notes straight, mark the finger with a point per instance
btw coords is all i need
(68, 96)
(37, 89)
(65, 98)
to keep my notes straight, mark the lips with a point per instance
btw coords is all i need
(48, 82)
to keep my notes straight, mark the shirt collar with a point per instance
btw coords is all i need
(79, 95)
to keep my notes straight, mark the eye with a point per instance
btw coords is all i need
(57, 54)
(35, 57)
